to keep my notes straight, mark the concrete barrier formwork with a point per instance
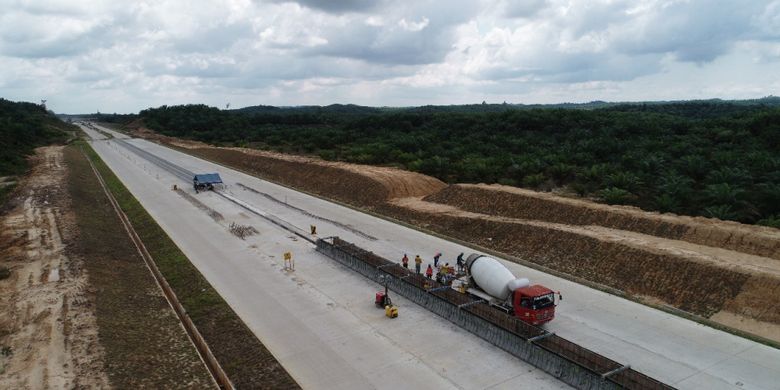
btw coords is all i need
(566, 370)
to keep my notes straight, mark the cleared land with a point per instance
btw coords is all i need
(80, 308)
(48, 330)
(724, 271)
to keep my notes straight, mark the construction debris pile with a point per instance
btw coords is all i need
(242, 231)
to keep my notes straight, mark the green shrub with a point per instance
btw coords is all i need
(614, 195)
(534, 181)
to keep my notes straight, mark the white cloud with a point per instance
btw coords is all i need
(83, 55)
(414, 26)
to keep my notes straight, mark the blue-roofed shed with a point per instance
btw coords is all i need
(208, 178)
(206, 181)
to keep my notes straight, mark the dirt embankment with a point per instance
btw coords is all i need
(521, 203)
(359, 185)
(721, 270)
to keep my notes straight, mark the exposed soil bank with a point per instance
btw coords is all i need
(358, 185)
(521, 203)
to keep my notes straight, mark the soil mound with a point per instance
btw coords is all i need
(520, 203)
(359, 185)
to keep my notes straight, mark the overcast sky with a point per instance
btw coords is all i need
(124, 56)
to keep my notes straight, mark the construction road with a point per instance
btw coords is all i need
(320, 323)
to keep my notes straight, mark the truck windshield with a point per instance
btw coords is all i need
(544, 301)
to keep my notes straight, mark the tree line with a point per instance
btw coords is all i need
(23, 127)
(710, 158)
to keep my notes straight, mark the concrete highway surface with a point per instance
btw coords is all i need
(320, 323)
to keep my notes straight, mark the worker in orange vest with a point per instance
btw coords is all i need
(405, 261)
(429, 272)
(417, 263)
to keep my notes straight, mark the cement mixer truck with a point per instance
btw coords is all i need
(491, 281)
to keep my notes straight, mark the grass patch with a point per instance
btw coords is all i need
(247, 362)
(144, 343)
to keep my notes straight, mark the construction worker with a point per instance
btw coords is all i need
(417, 263)
(445, 273)
(436, 259)
(429, 272)
(405, 261)
(460, 262)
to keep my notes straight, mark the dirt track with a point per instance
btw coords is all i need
(47, 323)
(725, 271)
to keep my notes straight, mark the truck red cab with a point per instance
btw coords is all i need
(534, 304)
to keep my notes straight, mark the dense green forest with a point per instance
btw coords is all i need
(23, 127)
(712, 158)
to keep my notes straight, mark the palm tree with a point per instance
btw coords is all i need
(695, 166)
(772, 221)
(667, 203)
(614, 195)
(729, 175)
(723, 193)
(722, 211)
(626, 180)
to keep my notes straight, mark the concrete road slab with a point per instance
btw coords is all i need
(319, 321)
